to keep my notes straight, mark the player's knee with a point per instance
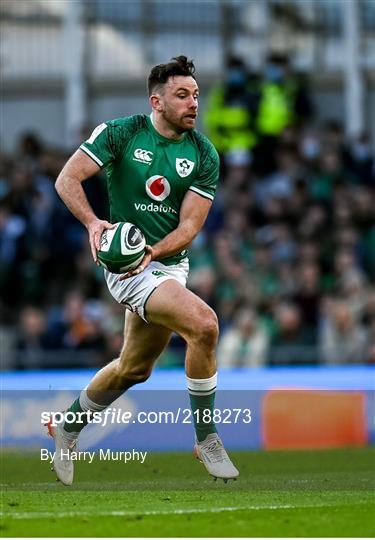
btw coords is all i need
(206, 330)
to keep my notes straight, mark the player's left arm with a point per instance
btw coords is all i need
(193, 214)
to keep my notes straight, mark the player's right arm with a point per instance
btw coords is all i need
(69, 187)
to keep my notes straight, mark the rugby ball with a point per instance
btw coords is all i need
(121, 248)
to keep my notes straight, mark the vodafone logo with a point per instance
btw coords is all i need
(158, 187)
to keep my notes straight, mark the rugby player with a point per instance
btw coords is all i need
(162, 175)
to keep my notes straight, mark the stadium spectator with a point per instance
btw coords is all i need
(30, 149)
(291, 343)
(230, 116)
(32, 339)
(12, 255)
(245, 343)
(361, 160)
(308, 297)
(342, 339)
(77, 324)
(283, 101)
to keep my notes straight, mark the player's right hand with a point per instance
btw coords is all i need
(95, 229)
(149, 253)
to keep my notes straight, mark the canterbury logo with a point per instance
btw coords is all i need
(143, 156)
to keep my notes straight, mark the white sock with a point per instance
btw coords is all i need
(202, 387)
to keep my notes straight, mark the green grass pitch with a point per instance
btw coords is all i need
(315, 493)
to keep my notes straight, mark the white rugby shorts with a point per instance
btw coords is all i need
(134, 292)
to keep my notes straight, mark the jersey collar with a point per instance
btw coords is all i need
(161, 137)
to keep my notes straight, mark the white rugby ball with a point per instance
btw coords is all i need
(121, 248)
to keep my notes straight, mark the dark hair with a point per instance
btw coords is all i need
(160, 74)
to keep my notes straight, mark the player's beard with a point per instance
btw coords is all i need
(178, 123)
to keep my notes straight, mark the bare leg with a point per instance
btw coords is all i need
(174, 307)
(143, 344)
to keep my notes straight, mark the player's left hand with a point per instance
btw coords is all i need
(144, 264)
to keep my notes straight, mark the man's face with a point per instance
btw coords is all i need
(178, 102)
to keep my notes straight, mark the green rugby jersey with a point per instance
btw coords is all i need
(148, 175)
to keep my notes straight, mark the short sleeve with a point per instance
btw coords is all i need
(98, 146)
(205, 183)
(107, 142)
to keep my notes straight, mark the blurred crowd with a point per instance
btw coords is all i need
(286, 258)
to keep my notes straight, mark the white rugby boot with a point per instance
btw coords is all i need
(212, 454)
(62, 465)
